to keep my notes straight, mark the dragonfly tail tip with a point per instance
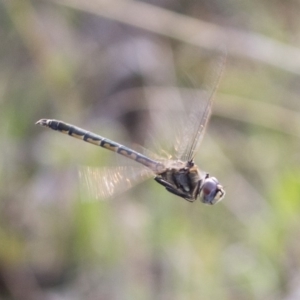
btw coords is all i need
(42, 122)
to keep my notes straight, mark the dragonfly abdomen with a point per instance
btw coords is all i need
(98, 140)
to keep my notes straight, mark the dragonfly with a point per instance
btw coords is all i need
(178, 173)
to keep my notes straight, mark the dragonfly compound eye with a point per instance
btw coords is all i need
(211, 191)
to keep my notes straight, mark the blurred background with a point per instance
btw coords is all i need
(91, 63)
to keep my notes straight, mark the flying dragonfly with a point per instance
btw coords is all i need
(178, 173)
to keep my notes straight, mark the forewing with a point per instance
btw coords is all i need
(180, 115)
(166, 111)
(103, 183)
(197, 116)
(192, 132)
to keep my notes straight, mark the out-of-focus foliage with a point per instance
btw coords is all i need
(93, 63)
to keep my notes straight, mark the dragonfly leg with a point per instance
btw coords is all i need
(170, 188)
(180, 194)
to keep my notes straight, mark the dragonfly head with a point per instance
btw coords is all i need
(211, 191)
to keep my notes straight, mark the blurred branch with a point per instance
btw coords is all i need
(258, 113)
(194, 31)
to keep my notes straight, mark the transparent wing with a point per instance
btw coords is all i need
(180, 116)
(146, 152)
(198, 114)
(167, 111)
(102, 183)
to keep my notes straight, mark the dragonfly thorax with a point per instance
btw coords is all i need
(184, 179)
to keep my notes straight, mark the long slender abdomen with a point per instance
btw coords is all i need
(98, 140)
